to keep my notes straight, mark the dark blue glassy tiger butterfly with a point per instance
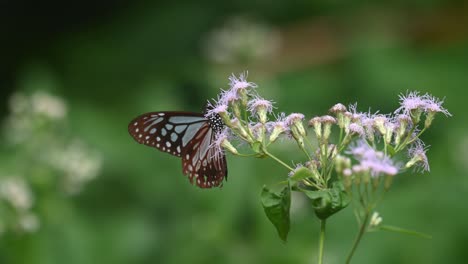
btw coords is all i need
(189, 136)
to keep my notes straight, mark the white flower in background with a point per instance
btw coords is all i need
(51, 106)
(241, 39)
(29, 222)
(18, 103)
(78, 164)
(16, 191)
(36, 125)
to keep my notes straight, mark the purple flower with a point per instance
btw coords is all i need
(433, 104)
(240, 83)
(294, 118)
(218, 108)
(338, 108)
(356, 129)
(257, 104)
(417, 155)
(372, 161)
(278, 127)
(221, 142)
(411, 101)
(229, 97)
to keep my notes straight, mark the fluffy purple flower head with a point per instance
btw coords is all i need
(411, 101)
(356, 129)
(373, 161)
(240, 83)
(433, 104)
(417, 154)
(218, 108)
(258, 103)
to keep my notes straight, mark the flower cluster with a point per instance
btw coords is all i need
(359, 161)
(241, 39)
(36, 130)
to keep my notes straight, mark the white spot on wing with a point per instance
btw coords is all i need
(180, 128)
(153, 130)
(156, 120)
(173, 137)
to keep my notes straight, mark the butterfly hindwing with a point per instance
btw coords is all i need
(203, 164)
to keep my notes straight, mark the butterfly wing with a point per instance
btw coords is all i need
(167, 131)
(201, 162)
(187, 135)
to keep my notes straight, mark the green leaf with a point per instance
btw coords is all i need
(276, 206)
(390, 150)
(300, 174)
(328, 201)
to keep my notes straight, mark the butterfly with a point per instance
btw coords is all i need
(189, 136)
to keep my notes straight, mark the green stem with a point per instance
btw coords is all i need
(322, 240)
(278, 160)
(404, 231)
(362, 230)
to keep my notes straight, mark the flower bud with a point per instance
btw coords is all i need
(338, 110)
(403, 123)
(261, 108)
(376, 220)
(389, 129)
(379, 123)
(327, 121)
(316, 122)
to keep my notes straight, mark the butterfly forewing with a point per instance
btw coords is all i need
(187, 135)
(167, 131)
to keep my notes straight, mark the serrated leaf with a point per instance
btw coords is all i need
(277, 206)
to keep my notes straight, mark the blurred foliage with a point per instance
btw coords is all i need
(113, 61)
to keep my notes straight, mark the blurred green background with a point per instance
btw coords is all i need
(111, 61)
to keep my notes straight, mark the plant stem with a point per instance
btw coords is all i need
(322, 240)
(362, 230)
(405, 231)
(278, 160)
